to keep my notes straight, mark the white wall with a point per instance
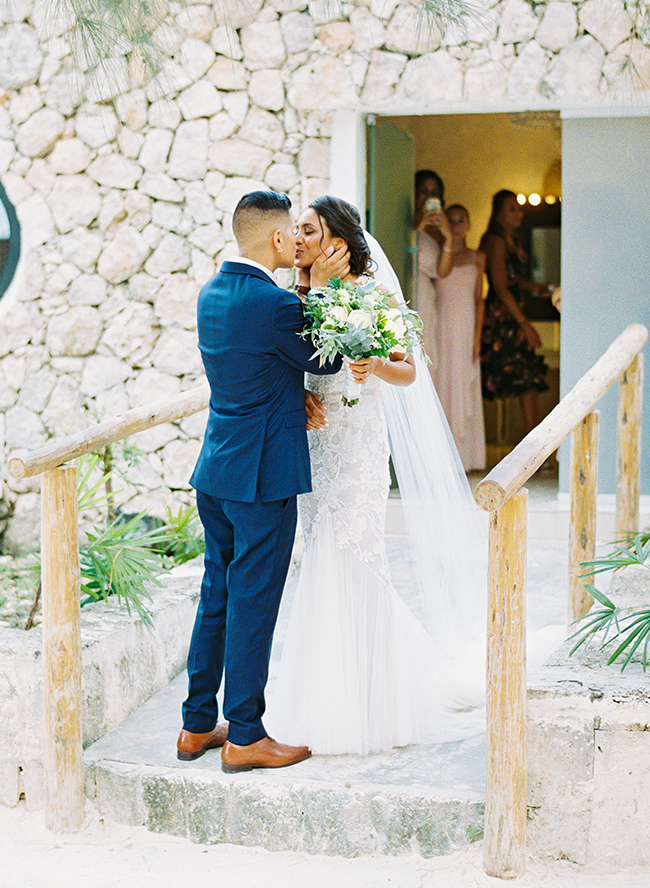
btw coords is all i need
(605, 265)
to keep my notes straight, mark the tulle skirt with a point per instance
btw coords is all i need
(358, 673)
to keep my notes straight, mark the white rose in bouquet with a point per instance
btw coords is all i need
(360, 318)
(395, 323)
(336, 316)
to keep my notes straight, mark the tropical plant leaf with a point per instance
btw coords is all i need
(636, 550)
(120, 561)
(184, 539)
(634, 631)
(602, 619)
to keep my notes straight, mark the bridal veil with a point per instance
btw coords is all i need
(444, 526)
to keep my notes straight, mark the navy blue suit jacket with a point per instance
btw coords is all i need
(255, 445)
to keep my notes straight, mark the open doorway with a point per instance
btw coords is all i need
(477, 155)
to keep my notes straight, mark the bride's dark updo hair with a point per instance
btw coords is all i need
(343, 221)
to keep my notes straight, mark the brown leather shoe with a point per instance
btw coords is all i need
(190, 746)
(266, 753)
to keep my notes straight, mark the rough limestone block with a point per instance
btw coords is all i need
(423, 826)
(20, 56)
(202, 99)
(237, 157)
(559, 25)
(76, 332)
(263, 45)
(32, 784)
(486, 83)
(37, 136)
(9, 784)
(123, 256)
(165, 796)
(436, 76)
(116, 787)
(323, 83)
(607, 20)
(74, 201)
(115, 171)
(407, 34)
(228, 74)
(263, 814)
(560, 750)
(518, 22)
(620, 826)
(383, 75)
(263, 128)
(528, 69)
(577, 70)
(188, 156)
(207, 812)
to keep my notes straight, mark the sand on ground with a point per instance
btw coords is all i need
(109, 855)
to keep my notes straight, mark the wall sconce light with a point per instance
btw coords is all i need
(534, 199)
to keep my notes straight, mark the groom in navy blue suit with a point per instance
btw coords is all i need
(253, 463)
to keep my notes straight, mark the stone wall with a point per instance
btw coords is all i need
(124, 189)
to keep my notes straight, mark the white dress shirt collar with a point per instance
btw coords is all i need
(255, 264)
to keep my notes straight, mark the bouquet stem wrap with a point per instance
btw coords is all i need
(351, 389)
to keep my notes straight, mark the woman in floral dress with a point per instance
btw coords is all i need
(509, 363)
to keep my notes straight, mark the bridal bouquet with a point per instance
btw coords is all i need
(358, 322)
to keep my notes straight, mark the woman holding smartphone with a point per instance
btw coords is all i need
(434, 253)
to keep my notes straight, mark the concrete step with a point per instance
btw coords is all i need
(420, 799)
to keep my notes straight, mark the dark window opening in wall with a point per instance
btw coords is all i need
(9, 241)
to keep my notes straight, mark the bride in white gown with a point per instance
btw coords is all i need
(359, 671)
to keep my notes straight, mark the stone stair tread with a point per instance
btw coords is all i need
(147, 738)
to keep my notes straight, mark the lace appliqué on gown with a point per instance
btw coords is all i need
(349, 462)
(358, 672)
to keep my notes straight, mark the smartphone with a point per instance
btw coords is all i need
(433, 205)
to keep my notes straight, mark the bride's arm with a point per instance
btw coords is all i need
(398, 370)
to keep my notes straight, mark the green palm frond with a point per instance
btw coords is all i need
(184, 539)
(627, 633)
(120, 561)
(603, 619)
(87, 488)
(635, 550)
(634, 632)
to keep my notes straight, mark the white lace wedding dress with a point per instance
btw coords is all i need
(358, 672)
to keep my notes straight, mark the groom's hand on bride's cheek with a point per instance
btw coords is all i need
(330, 264)
(316, 416)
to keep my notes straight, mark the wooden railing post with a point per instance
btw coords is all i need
(64, 777)
(505, 796)
(628, 447)
(583, 498)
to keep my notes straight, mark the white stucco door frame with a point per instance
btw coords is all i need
(348, 171)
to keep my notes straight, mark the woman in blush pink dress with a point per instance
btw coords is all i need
(433, 253)
(458, 343)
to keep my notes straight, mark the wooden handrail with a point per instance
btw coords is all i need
(98, 436)
(516, 468)
(501, 493)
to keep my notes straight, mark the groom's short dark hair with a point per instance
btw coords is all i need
(255, 205)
